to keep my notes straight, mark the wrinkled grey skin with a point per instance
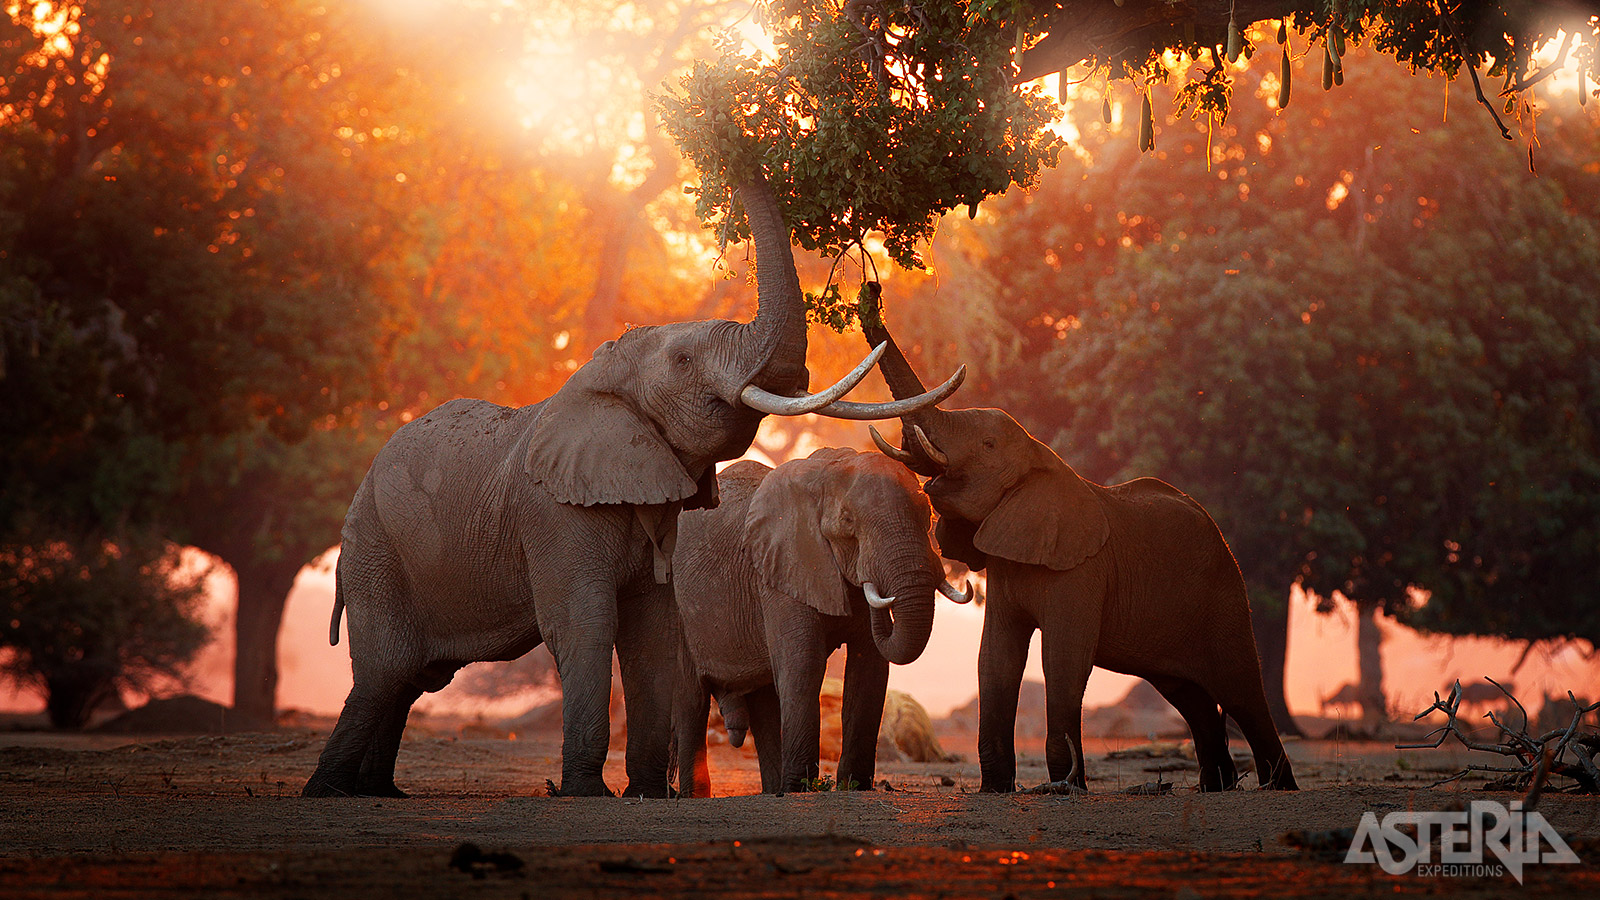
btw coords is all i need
(481, 531)
(769, 584)
(1134, 578)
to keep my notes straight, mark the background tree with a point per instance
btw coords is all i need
(82, 622)
(189, 223)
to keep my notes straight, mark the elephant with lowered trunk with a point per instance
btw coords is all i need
(828, 550)
(1134, 578)
(481, 531)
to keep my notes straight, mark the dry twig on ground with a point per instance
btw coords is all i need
(1566, 752)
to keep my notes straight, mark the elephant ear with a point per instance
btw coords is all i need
(588, 446)
(955, 537)
(783, 531)
(1051, 517)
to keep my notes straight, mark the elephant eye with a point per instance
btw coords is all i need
(988, 443)
(683, 359)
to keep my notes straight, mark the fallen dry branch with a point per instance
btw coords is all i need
(1567, 752)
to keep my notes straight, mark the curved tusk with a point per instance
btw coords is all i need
(873, 600)
(955, 596)
(934, 453)
(768, 402)
(894, 409)
(890, 450)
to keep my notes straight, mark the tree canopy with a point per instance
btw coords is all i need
(876, 118)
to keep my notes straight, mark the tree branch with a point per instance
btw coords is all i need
(1542, 74)
(1537, 757)
(1472, 69)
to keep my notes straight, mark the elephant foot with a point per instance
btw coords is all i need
(322, 785)
(997, 787)
(1284, 783)
(578, 787)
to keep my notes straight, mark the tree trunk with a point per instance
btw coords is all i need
(1369, 664)
(263, 591)
(1269, 619)
(72, 693)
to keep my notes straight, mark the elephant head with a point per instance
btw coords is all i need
(838, 520)
(999, 491)
(645, 419)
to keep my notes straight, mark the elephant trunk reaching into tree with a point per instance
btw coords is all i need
(482, 531)
(1135, 578)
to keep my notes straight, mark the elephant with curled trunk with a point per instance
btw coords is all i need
(481, 531)
(823, 551)
(1134, 578)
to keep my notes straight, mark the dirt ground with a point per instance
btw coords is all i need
(110, 816)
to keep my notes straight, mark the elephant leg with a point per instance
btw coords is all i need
(1199, 710)
(866, 682)
(766, 727)
(376, 778)
(648, 638)
(367, 711)
(1245, 700)
(691, 715)
(691, 705)
(1067, 664)
(1002, 654)
(799, 663)
(582, 651)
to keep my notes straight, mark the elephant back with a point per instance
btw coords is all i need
(737, 482)
(707, 536)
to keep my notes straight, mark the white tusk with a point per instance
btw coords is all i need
(890, 450)
(768, 402)
(955, 596)
(934, 453)
(894, 409)
(873, 600)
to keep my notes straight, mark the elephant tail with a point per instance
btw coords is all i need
(338, 608)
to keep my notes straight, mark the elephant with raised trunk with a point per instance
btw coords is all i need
(828, 550)
(1135, 578)
(481, 531)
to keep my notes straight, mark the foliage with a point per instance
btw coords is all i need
(197, 196)
(186, 281)
(83, 620)
(874, 118)
(871, 118)
(1147, 40)
(1377, 369)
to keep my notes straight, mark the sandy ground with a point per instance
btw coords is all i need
(133, 816)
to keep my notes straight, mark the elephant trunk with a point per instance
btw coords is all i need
(903, 382)
(901, 630)
(778, 362)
